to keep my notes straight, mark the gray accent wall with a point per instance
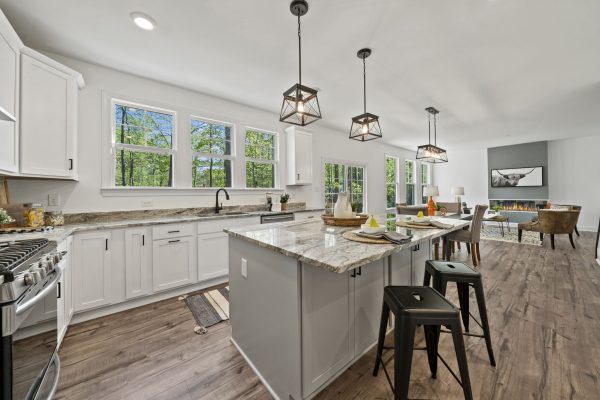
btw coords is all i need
(519, 156)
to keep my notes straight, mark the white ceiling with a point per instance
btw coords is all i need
(500, 71)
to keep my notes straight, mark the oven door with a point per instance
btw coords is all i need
(35, 363)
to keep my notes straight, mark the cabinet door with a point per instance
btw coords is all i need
(213, 255)
(173, 263)
(327, 328)
(401, 269)
(303, 158)
(91, 270)
(137, 263)
(68, 276)
(48, 119)
(61, 308)
(368, 299)
(9, 94)
(420, 254)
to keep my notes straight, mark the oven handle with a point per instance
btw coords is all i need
(21, 308)
(56, 361)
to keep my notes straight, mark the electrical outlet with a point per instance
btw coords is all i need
(54, 199)
(245, 268)
(147, 203)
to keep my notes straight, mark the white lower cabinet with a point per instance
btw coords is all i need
(213, 255)
(420, 254)
(138, 264)
(91, 270)
(340, 319)
(173, 262)
(65, 290)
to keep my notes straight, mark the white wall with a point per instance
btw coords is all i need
(467, 168)
(574, 176)
(86, 195)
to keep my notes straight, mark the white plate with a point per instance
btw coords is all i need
(422, 219)
(367, 229)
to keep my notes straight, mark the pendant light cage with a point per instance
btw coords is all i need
(431, 153)
(300, 103)
(365, 126)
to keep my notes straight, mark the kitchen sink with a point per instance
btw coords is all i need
(212, 214)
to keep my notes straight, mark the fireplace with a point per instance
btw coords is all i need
(517, 205)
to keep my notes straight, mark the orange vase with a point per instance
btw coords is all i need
(430, 207)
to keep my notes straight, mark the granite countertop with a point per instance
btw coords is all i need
(61, 233)
(323, 246)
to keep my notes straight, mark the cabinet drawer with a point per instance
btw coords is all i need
(218, 225)
(172, 231)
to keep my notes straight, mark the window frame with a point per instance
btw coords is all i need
(414, 180)
(347, 165)
(424, 184)
(200, 154)
(115, 146)
(274, 161)
(396, 183)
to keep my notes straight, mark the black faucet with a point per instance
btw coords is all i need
(217, 206)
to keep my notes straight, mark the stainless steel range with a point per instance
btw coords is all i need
(29, 289)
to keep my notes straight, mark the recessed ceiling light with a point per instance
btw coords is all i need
(143, 21)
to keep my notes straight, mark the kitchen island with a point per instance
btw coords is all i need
(305, 302)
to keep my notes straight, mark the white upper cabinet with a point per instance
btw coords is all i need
(10, 45)
(48, 122)
(298, 157)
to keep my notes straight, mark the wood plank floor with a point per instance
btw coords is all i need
(544, 309)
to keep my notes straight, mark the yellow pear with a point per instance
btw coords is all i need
(420, 214)
(373, 223)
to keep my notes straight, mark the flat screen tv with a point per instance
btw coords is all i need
(517, 177)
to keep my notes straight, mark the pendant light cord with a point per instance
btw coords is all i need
(429, 127)
(299, 53)
(365, 84)
(434, 130)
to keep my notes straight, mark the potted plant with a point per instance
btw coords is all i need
(5, 219)
(497, 209)
(284, 200)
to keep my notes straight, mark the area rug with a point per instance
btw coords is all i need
(209, 308)
(491, 232)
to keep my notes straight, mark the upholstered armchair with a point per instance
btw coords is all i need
(552, 222)
(576, 208)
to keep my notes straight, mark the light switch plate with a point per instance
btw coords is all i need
(245, 268)
(54, 199)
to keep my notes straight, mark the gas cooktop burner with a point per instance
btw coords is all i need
(15, 254)
(6, 231)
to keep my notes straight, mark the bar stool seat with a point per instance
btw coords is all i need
(413, 306)
(465, 277)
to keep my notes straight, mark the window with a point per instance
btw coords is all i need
(212, 153)
(260, 152)
(409, 179)
(340, 177)
(391, 181)
(142, 145)
(425, 180)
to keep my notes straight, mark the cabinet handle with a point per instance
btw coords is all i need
(416, 248)
(174, 241)
(298, 176)
(353, 273)
(106, 244)
(172, 231)
(143, 240)
(59, 291)
(359, 271)
(70, 164)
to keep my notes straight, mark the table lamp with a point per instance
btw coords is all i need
(431, 191)
(458, 191)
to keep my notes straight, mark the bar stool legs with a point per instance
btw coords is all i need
(478, 286)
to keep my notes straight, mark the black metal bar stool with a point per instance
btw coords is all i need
(413, 306)
(465, 277)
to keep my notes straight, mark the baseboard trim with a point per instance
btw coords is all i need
(142, 301)
(256, 371)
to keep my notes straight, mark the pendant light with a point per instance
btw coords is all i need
(366, 125)
(300, 103)
(430, 152)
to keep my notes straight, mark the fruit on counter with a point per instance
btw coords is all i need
(373, 223)
(420, 214)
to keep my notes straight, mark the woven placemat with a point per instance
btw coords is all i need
(405, 224)
(351, 235)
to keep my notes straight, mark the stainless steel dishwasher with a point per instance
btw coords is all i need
(280, 217)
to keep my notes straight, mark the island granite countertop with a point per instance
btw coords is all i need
(324, 246)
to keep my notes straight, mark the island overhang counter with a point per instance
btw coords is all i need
(305, 302)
